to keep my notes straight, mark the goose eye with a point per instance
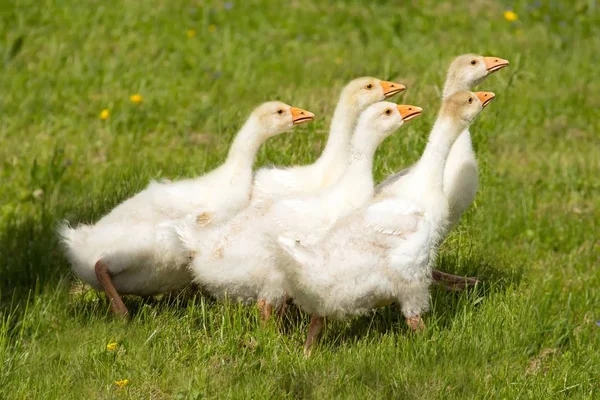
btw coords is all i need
(280, 111)
(388, 111)
(370, 86)
(470, 100)
(473, 62)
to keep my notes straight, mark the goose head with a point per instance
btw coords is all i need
(384, 117)
(468, 70)
(275, 117)
(362, 92)
(463, 107)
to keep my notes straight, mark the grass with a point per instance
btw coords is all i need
(530, 332)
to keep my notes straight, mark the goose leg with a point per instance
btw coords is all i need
(415, 323)
(316, 324)
(453, 282)
(103, 275)
(452, 287)
(282, 309)
(265, 309)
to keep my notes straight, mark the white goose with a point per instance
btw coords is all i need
(274, 183)
(132, 251)
(461, 176)
(384, 251)
(237, 260)
(312, 215)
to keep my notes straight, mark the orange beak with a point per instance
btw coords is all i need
(485, 97)
(409, 112)
(391, 88)
(493, 64)
(300, 116)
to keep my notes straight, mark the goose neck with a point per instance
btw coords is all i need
(342, 126)
(429, 170)
(365, 141)
(245, 146)
(361, 154)
(453, 85)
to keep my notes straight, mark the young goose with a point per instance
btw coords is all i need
(461, 177)
(312, 215)
(238, 259)
(274, 183)
(384, 251)
(130, 250)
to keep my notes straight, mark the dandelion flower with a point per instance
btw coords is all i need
(111, 346)
(510, 16)
(191, 33)
(136, 98)
(122, 383)
(104, 114)
(338, 60)
(212, 28)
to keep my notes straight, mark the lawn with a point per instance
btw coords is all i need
(531, 331)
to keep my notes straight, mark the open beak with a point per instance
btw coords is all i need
(493, 64)
(300, 116)
(485, 97)
(409, 112)
(391, 88)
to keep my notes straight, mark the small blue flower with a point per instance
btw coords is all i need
(217, 74)
(228, 5)
(598, 323)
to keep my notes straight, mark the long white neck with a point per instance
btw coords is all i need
(342, 125)
(359, 173)
(429, 170)
(463, 146)
(453, 85)
(245, 146)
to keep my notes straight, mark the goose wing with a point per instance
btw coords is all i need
(393, 217)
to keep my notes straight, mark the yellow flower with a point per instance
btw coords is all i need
(105, 114)
(136, 98)
(212, 28)
(510, 16)
(112, 346)
(338, 60)
(191, 33)
(122, 383)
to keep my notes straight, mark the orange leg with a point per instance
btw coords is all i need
(116, 303)
(266, 310)
(316, 324)
(415, 323)
(283, 308)
(453, 282)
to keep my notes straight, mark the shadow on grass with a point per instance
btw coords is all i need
(31, 257)
(87, 303)
(30, 252)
